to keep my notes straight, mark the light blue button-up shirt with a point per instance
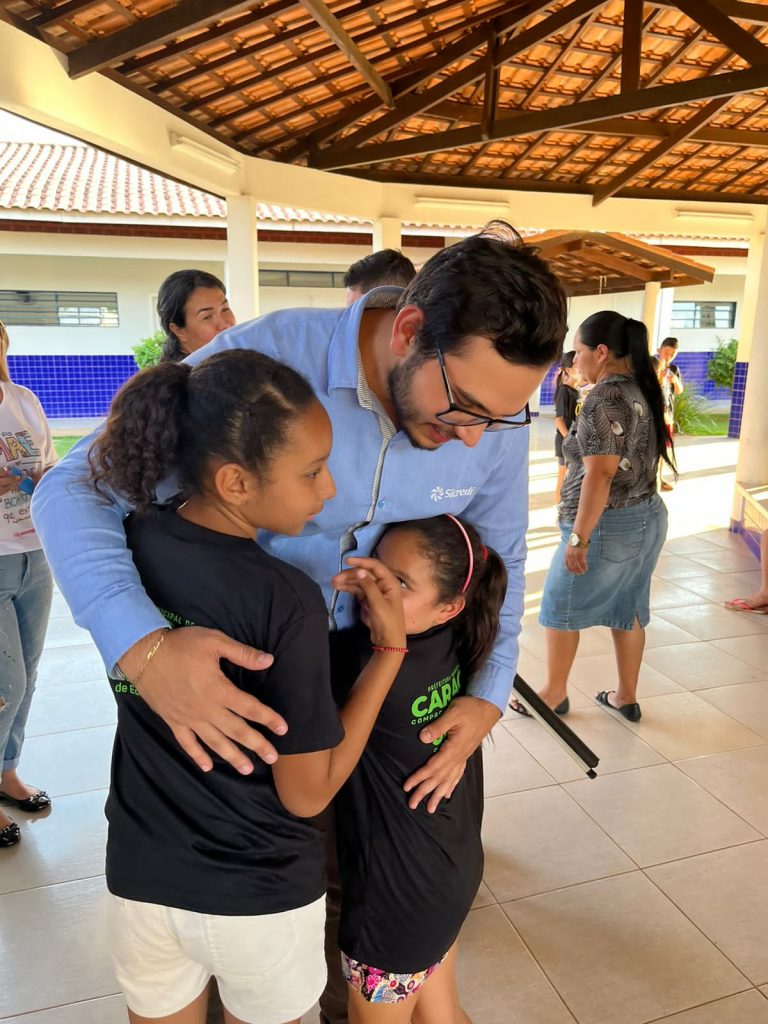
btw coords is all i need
(380, 479)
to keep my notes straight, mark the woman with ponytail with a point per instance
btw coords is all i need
(222, 874)
(408, 875)
(612, 519)
(193, 308)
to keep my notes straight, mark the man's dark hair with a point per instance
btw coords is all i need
(494, 286)
(670, 343)
(388, 266)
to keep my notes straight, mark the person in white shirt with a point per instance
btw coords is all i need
(26, 451)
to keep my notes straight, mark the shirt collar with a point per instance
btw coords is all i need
(343, 352)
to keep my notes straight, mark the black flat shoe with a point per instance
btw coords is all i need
(39, 802)
(563, 707)
(631, 712)
(10, 835)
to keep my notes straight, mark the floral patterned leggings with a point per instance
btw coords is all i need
(377, 986)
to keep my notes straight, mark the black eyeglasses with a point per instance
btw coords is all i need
(455, 416)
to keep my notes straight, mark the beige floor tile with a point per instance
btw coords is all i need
(746, 702)
(58, 605)
(69, 762)
(498, 979)
(525, 854)
(590, 675)
(752, 649)
(66, 844)
(713, 622)
(658, 814)
(722, 538)
(738, 779)
(110, 1010)
(484, 897)
(727, 560)
(764, 990)
(720, 587)
(619, 952)
(688, 546)
(744, 1008)
(617, 749)
(700, 665)
(62, 632)
(77, 706)
(681, 725)
(56, 948)
(662, 633)
(508, 767)
(593, 641)
(678, 567)
(726, 895)
(669, 595)
(60, 666)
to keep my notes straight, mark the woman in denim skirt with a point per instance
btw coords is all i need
(612, 520)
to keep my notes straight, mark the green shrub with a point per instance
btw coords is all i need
(722, 364)
(691, 416)
(149, 350)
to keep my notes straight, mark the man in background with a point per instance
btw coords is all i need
(671, 386)
(388, 266)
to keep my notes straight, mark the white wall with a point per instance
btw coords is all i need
(582, 306)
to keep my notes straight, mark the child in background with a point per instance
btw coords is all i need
(220, 874)
(408, 876)
(566, 402)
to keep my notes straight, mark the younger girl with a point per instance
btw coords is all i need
(220, 874)
(408, 877)
(566, 404)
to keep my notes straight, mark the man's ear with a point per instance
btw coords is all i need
(406, 328)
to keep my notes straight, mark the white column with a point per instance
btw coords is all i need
(650, 310)
(752, 465)
(242, 257)
(387, 233)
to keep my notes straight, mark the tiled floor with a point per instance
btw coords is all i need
(637, 897)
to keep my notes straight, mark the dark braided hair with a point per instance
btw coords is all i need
(236, 406)
(442, 543)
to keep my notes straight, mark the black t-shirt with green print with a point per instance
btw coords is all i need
(408, 877)
(219, 842)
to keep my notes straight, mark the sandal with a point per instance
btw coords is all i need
(631, 712)
(39, 802)
(738, 604)
(10, 835)
(562, 708)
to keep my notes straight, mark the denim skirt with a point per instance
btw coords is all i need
(615, 590)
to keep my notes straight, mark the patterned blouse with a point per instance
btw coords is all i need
(614, 420)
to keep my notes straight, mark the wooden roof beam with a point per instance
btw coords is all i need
(415, 104)
(65, 10)
(567, 116)
(736, 38)
(750, 13)
(173, 21)
(631, 45)
(491, 91)
(336, 31)
(679, 134)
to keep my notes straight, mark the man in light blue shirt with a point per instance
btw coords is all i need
(454, 357)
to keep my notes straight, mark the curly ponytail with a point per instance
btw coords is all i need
(141, 440)
(627, 339)
(442, 541)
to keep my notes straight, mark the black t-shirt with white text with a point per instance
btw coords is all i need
(408, 877)
(219, 842)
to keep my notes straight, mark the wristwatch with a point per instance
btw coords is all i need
(575, 541)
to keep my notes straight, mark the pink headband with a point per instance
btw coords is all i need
(465, 535)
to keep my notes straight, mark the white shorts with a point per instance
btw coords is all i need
(270, 969)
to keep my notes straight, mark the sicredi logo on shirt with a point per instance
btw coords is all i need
(441, 493)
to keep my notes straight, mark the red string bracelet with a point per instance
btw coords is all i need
(388, 650)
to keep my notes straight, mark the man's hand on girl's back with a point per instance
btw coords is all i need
(184, 685)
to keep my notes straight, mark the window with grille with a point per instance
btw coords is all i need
(59, 309)
(705, 315)
(301, 279)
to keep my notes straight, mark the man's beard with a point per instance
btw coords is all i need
(399, 384)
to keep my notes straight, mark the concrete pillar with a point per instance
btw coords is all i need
(752, 465)
(387, 233)
(651, 310)
(242, 257)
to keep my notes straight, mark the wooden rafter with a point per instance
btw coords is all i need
(631, 45)
(54, 14)
(736, 38)
(186, 16)
(750, 13)
(491, 90)
(567, 116)
(678, 135)
(331, 24)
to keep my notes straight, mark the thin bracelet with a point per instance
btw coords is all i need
(380, 649)
(150, 655)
